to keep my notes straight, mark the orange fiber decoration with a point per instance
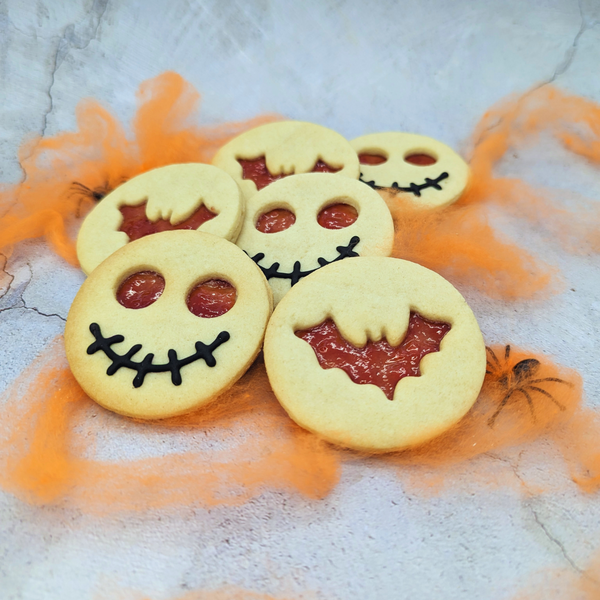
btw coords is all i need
(57, 446)
(66, 173)
(460, 242)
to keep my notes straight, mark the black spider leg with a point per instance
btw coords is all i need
(547, 394)
(174, 366)
(296, 274)
(413, 188)
(492, 419)
(496, 364)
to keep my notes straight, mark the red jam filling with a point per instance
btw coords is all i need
(278, 219)
(337, 216)
(141, 289)
(378, 362)
(136, 225)
(256, 170)
(211, 298)
(371, 159)
(421, 160)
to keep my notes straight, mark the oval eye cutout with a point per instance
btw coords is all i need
(278, 219)
(337, 216)
(371, 159)
(420, 159)
(141, 289)
(211, 298)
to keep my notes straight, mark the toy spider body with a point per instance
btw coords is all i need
(520, 379)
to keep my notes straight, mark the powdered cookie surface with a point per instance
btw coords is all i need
(296, 225)
(167, 323)
(269, 152)
(189, 196)
(375, 354)
(423, 170)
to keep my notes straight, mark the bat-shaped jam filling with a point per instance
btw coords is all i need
(136, 225)
(378, 362)
(256, 170)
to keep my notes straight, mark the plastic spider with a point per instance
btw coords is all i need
(519, 379)
(96, 194)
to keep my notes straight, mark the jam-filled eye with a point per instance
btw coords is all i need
(420, 159)
(141, 289)
(371, 159)
(278, 219)
(211, 298)
(337, 216)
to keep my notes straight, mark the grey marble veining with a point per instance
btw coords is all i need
(430, 67)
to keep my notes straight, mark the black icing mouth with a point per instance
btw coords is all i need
(413, 188)
(203, 352)
(297, 273)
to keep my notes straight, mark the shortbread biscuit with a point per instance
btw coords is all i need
(188, 196)
(273, 151)
(385, 308)
(425, 171)
(287, 256)
(160, 359)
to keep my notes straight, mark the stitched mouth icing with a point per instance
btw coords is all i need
(203, 352)
(413, 188)
(297, 273)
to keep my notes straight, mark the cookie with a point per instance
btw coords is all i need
(375, 354)
(425, 171)
(301, 223)
(189, 196)
(270, 152)
(167, 323)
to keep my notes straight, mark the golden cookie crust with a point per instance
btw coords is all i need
(184, 259)
(288, 147)
(306, 241)
(369, 298)
(395, 146)
(173, 193)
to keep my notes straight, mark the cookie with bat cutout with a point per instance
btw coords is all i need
(303, 222)
(167, 323)
(265, 154)
(187, 196)
(375, 354)
(425, 171)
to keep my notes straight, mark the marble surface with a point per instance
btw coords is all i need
(430, 67)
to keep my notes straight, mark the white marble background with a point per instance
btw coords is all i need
(427, 66)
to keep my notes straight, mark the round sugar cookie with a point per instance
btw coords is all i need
(425, 171)
(301, 223)
(270, 152)
(188, 196)
(375, 354)
(167, 323)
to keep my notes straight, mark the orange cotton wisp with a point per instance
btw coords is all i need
(65, 174)
(58, 447)
(460, 241)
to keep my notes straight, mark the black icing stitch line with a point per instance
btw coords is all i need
(415, 188)
(174, 365)
(273, 272)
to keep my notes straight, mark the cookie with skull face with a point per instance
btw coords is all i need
(375, 354)
(425, 171)
(270, 152)
(167, 323)
(301, 223)
(188, 196)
